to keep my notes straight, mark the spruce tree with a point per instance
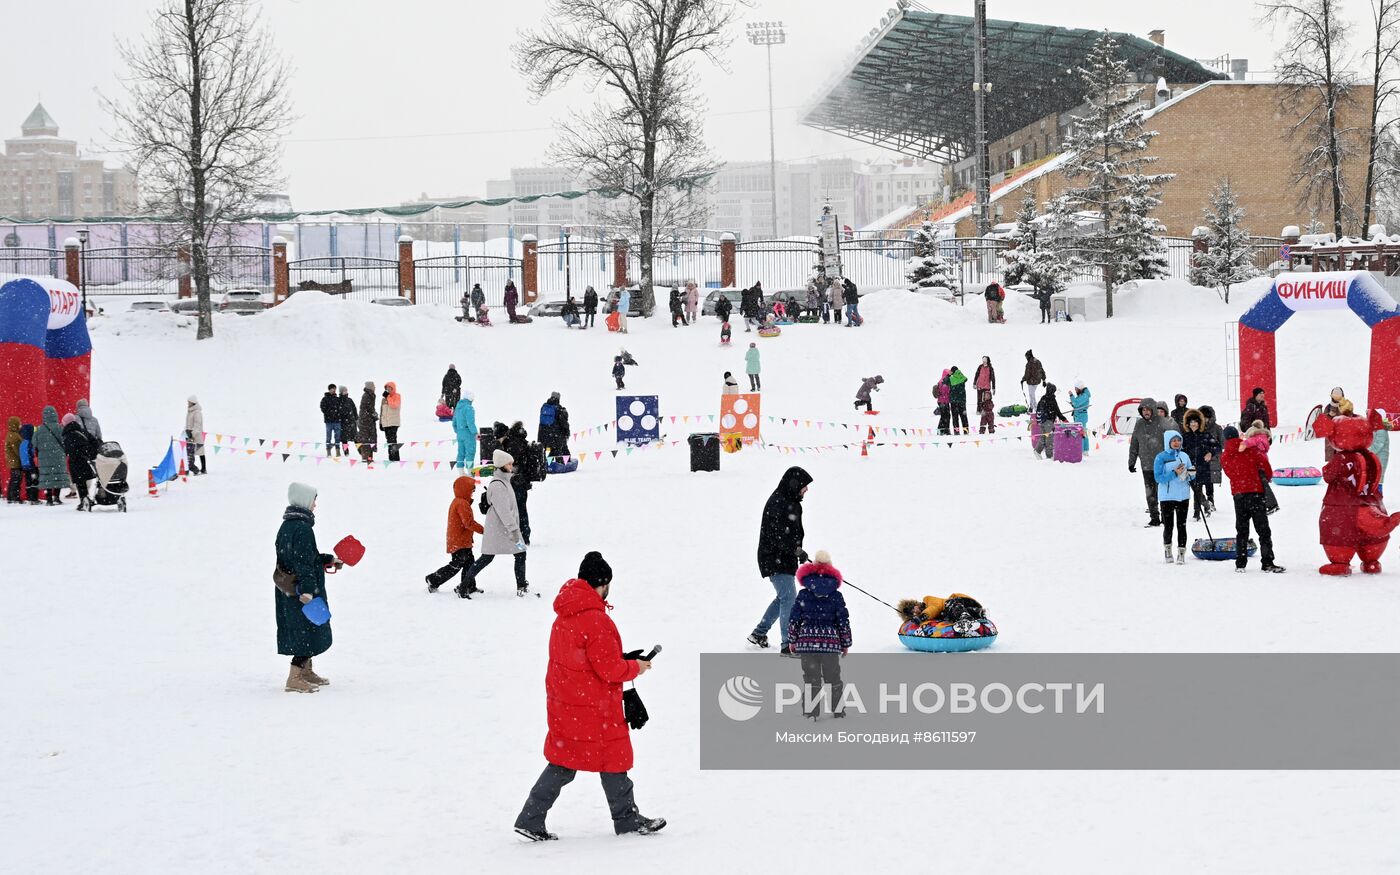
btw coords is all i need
(1107, 149)
(1229, 257)
(1136, 235)
(1036, 259)
(927, 269)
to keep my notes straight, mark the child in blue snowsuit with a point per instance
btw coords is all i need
(1173, 471)
(464, 425)
(819, 630)
(1079, 402)
(619, 371)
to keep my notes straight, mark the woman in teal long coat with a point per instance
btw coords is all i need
(297, 636)
(1079, 401)
(53, 461)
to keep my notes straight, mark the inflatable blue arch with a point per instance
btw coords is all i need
(1293, 293)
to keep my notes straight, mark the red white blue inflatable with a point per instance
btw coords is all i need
(1294, 293)
(45, 351)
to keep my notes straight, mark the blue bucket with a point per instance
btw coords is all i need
(317, 611)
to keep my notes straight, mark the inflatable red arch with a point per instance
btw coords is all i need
(1294, 293)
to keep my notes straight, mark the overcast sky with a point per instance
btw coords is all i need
(413, 96)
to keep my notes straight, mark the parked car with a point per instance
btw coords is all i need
(552, 309)
(149, 306)
(641, 304)
(707, 307)
(397, 301)
(185, 306)
(242, 302)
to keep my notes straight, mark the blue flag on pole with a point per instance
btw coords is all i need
(167, 470)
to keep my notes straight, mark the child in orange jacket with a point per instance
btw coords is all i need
(461, 526)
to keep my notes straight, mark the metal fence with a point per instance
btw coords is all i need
(564, 270)
(357, 277)
(132, 270)
(241, 267)
(31, 261)
(443, 280)
(782, 265)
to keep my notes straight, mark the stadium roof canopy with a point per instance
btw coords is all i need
(909, 87)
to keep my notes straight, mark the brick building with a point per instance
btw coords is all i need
(43, 175)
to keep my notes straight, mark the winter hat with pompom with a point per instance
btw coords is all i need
(500, 458)
(594, 570)
(300, 495)
(67, 418)
(822, 557)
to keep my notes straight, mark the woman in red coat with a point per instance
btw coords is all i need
(583, 689)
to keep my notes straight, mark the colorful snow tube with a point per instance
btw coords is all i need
(562, 466)
(1297, 476)
(1219, 549)
(769, 331)
(944, 637)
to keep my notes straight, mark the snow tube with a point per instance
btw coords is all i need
(1012, 410)
(563, 466)
(769, 331)
(784, 322)
(1297, 476)
(1121, 422)
(1219, 549)
(946, 645)
(943, 636)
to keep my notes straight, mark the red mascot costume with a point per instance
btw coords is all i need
(1354, 521)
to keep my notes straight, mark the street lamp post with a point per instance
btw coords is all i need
(769, 34)
(568, 268)
(82, 264)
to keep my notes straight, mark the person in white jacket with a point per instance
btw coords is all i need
(194, 435)
(502, 524)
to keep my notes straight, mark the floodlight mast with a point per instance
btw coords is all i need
(769, 34)
(980, 88)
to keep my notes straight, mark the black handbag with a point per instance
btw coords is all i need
(632, 708)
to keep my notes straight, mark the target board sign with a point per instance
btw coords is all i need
(638, 419)
(739, 414)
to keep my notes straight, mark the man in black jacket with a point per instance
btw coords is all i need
(852, 298)
(330, 415)
(517, 443)
(723, 308)
(780, 551)
(590, 306)
(349, 415)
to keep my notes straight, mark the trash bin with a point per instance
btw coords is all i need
(704, 452)
(487, 439)
(1069, 442)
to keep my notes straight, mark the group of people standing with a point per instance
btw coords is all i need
(346, 424)
(44, 459)
(685, 306)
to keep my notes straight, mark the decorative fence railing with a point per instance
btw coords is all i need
(356, 277)
(443, 280)
(565, 269)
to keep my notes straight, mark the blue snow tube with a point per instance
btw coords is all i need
(1297, 476)
(947, 645)
(562, 466)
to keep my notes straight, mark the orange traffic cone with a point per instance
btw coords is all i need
(151, 483)
(864, 451)
(184, 475)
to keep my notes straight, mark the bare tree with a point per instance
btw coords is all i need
(643, 141)
(204, 110)
(1385, 79)
(1313, 65)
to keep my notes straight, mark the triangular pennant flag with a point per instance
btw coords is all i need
(218, 437)
(629, 451)
(614, 453)
(245, 441)
(352, 462)
(216, 449)
(250, 452)
(402, 463)
(301, 458)
(286, 456)
(319, 460)
(267, 456)
(274, 445)
(436, 464)
(599, 455)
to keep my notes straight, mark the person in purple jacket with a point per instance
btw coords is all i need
(819, 631)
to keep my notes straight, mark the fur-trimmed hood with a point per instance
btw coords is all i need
(819, 577)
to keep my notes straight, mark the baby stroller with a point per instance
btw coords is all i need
(111, 477)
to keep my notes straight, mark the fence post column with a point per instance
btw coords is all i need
(407, 289)
(530, 268)
(620, 263)
(1291, 235)
(72, 267)
(1200, 245)
(183, 255)
(728, 270)
(281, 284)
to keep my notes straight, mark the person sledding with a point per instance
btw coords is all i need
(868, 385)
(958, 615)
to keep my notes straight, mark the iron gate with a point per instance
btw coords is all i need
(443, 280)
(586, 263)
(782, 265)
(31, 262)
(240, 267)
(352, 276)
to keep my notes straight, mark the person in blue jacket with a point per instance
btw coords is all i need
(464, 424)
(1079, 401)
(1173, 471)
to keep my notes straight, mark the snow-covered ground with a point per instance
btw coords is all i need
(145, 725)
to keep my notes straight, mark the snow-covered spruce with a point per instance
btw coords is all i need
(928, 269)
(1229, 258)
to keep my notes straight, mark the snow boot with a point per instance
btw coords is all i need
(839, 715)
(651, 825)
(465, 589)
(786, 651)
(536, 836)
(310, 675)
(1167, 553)
(297, 683)
(1180, 555)
(432, 587)
(758, 640)
(1241, 570)
(1275, 569)
(522, 589)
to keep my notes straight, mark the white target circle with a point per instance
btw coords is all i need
(624, 423)
(750, 421)
(637, 408)
(648, 422)
(740, 405)
(727, 420)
